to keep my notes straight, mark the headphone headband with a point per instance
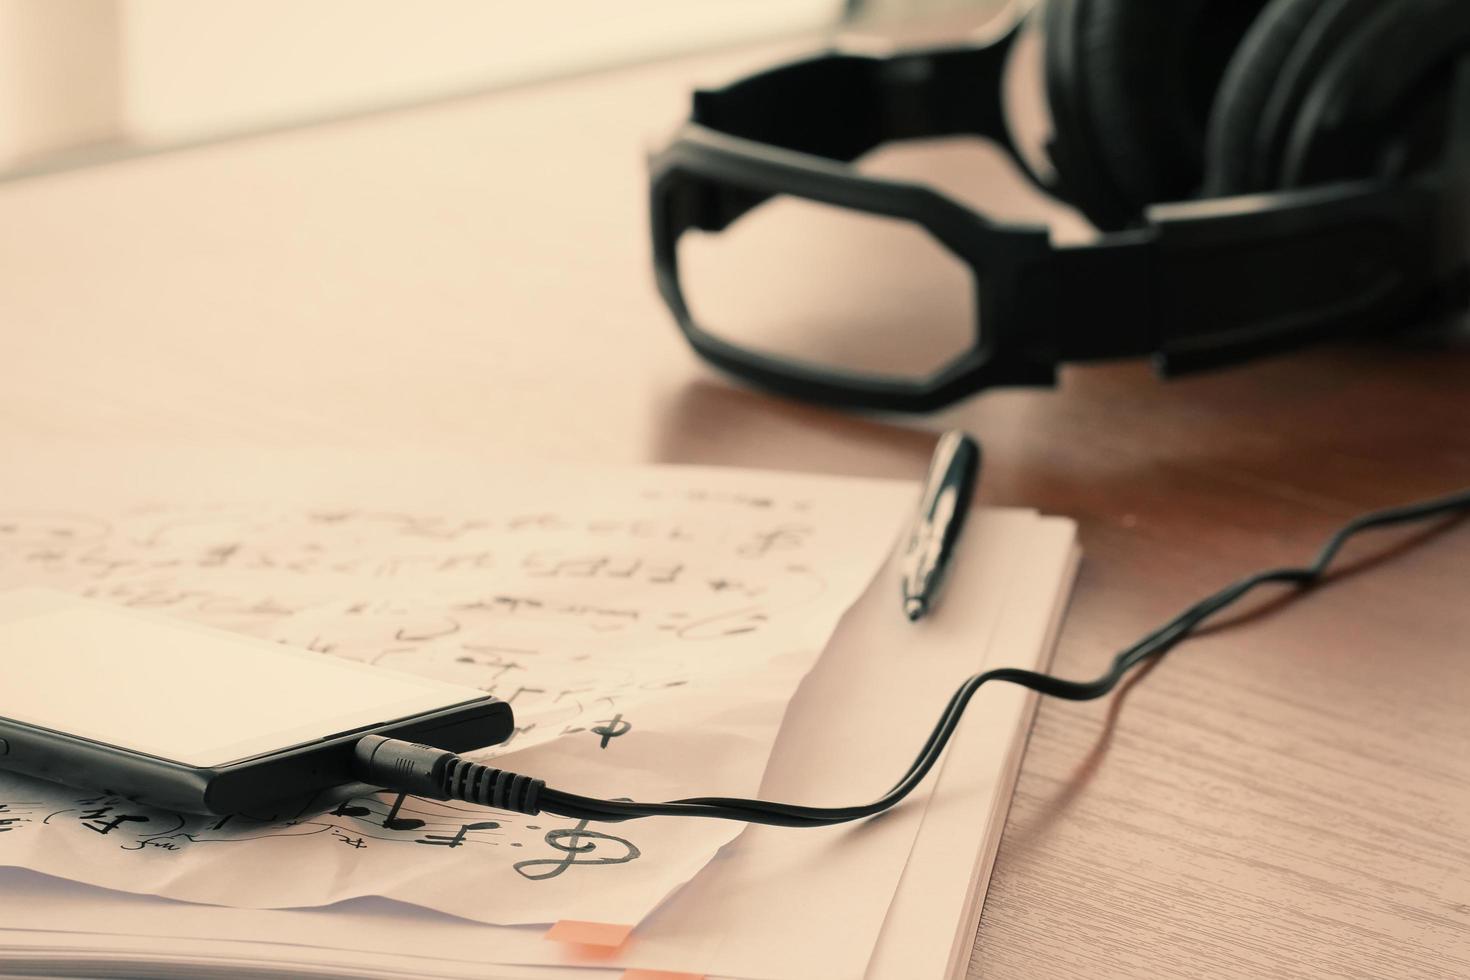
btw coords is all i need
(1197, 284)
(841, 105)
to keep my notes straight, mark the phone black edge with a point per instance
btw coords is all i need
(274, 785)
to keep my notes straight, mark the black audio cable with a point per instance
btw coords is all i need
(406, 767)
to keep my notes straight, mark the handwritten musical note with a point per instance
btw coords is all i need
(12, 815)
(394, 822)
(459, 835)
(612, 728)
(571, 843)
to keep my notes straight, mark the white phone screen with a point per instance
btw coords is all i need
(186, 693)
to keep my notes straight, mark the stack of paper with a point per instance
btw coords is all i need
(892, 897)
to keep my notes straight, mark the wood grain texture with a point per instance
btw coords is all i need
(1288, 796)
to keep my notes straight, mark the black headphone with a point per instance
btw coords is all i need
(1162, 101)
(1266, 172)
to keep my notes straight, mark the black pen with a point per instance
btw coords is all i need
(947, 492)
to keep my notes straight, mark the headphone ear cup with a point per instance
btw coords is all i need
(1130, 84)
(1245, 89)
(1323, 37)
(1079, 181)
(1378, 104)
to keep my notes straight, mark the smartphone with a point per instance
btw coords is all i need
(189, 718)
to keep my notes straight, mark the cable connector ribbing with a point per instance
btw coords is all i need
(426, 771)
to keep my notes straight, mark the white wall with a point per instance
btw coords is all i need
(225, 64)
(74, 72)
(59, 76)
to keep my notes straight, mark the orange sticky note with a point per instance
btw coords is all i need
(660, 975)
(607, 934)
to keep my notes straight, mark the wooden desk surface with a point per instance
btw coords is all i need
(1285, 797)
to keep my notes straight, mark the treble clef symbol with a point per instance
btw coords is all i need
(611, 728)
(576, 852)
